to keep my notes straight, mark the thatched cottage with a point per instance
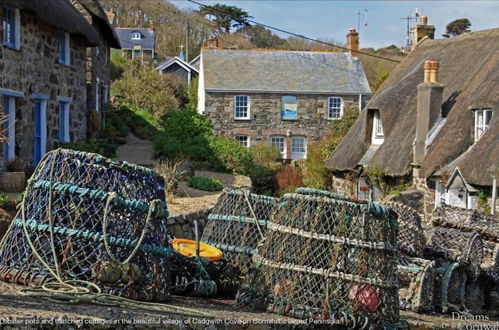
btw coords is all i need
(43, 69)
(432, 123)
(283, 98)
(98, 75)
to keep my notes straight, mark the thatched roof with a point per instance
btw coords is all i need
(469, 71)
(61, 14)
(98, 13)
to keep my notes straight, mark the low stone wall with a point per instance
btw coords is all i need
(182, 225)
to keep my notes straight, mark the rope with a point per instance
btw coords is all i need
(77, 291)
(253, 214)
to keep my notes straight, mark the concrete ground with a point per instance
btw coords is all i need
(136, 151)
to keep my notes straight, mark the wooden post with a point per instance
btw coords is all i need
(494, 196)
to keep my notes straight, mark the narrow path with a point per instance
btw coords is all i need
(136, 151)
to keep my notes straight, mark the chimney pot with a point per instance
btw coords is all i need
(423, 20)
(431, 72)
(212, 43)
(353, 42)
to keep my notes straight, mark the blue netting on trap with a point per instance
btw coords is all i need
(88, 218)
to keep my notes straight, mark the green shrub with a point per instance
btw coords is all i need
(104, 147)
(115, 125)
(4, 199)
(267, 156)
(206, 184)
(263, 180)
(140, 122)
(118, 64)
(146, 89)
(186, 123)
(228, 154)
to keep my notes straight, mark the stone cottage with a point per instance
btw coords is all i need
(42, 76)
(283, 98)
(137, 43)
(433, 124)
(98, 75)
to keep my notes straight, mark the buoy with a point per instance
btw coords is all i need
(364, 298)
(187, 247)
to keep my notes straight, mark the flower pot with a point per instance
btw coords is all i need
(14, 182)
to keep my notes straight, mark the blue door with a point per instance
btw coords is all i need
(38, 150)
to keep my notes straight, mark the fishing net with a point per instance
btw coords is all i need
(410, 238)
(87, 218)
(466, 248)
(449, 288)
(327, 258)
(191, 276)
(490, 260)
(416, 282)
(235, 225)
(467, 220)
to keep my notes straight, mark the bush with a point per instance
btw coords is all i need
(289, 178)
(140, 122)
(104, 147)
(316, 174)
(4, 199)
(185, 123)
(228, 154)
(266, 156)
(117, 65)
(206, 184)
(115, 127)
(146, 89)
(263, 180)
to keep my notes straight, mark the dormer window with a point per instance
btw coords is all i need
(136, 36)
(377, 130)
(482, 121)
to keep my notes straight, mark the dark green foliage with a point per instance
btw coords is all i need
(104, 147)
(206, 184)
(140, 122)
(186, 123)
(117, 65)
(263, 38)
(226, 17)
(457, 27)
(116, 127)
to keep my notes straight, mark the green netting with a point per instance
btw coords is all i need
(327, 258)
(88, 218)
(235, 225)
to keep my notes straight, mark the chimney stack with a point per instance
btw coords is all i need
(212, 43)
(429, 106)
(353, 42)
(421, 30)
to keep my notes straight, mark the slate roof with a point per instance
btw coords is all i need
(469, 72)
(170, 60)
(147, 41)
(61, 14)
(100, 17)
(283, 71)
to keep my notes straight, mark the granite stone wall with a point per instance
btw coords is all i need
(265, 112)
(344, 184)
(35, 69)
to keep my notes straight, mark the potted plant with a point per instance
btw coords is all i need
(14, 178)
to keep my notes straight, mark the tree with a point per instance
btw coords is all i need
(226, 18)
(457, 27)
(262, 37)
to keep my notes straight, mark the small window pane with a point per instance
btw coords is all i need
(9, 26)
(298, 144)
(278, 141)
(335, 107)
(482, 121)
(243, 140)
(241, 107)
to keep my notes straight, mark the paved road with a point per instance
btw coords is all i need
(136, 151)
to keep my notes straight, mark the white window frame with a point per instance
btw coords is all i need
(136, 55)
(273, 143)
(240, 139)
(296, 155)
(64, 46)
(377, 135)
(247, 117)
(16, 43)
(64, 106)
(480, 122)
(136, 36)
(330, 108)
(105, 93)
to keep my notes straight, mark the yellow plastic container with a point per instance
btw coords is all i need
(187, 247)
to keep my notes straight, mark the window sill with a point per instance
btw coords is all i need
(68, 65)
(242, 119)
(12, 47)
(340, 118)
(290, 119)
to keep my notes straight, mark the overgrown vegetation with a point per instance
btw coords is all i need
(148, 90)
(172, 172)
(483, 200)
(206, 184)
(105, 147)
(316, 174)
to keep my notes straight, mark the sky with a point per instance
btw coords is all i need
(332, 19)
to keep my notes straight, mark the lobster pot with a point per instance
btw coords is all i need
(192, 276)
(475, 297)
(78, 233)
(467, 220)
(327, 258)
(490, 259)
(236, 224)
(416, 281)
(466, 248)
(449, 288)
(93, 171)
(410, 238)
